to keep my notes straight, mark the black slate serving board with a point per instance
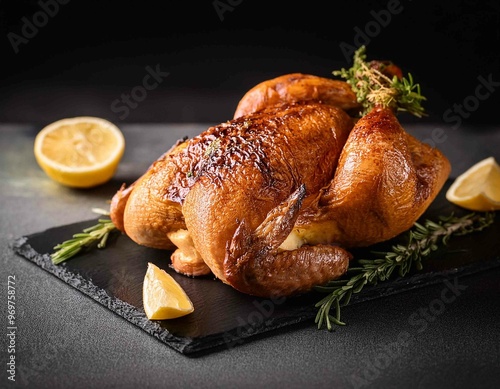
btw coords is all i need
(223, 317)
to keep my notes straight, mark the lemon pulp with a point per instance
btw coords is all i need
(163, 297)
(79, 152)
(478, 188)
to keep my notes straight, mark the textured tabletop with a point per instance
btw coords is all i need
(65, 339)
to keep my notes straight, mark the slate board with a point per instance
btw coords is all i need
(224, 318)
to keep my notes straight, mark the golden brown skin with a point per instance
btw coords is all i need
(267, 200)
(294, 87)
(230, 177)
(121, 197)
(246, 198)
(152, 216)
(118, 203)
(150, 212)
(384, 182)
(256, 265)
(143, 211)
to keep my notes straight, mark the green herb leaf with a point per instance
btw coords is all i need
(421, 241)
(94, 235)
(374, 88)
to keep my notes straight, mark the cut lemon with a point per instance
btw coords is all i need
(478, 188)
(80, 152)
(163, 298)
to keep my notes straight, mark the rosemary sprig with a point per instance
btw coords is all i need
(422, 239)
(374, 88)
(97, 234)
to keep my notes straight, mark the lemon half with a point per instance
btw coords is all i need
(163, 298)
(478, 188)
(80, 152)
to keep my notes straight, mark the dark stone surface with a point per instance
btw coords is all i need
(226, 318)
(66, 339)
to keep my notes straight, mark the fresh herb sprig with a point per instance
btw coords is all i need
(421, 241)
(374, 88)
(95, 235)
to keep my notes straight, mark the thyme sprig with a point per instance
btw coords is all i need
(422, 239)
(374, 88)
(94, 235)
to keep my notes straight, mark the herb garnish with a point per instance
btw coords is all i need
(95, 235)
(374, 88)
(421, 241)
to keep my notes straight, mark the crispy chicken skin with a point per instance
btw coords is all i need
(270, 201)
(384, 182)
(294, 87)
(143, 211)
(229, 178)
(248, 194)
(121, 197)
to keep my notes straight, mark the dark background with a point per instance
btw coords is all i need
(89, 53)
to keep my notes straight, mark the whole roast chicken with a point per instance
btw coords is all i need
(271, 201)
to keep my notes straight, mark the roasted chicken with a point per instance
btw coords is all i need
(271, 201)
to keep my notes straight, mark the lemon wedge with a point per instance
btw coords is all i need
(163, 298)
(79, 152)
(478, 188)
